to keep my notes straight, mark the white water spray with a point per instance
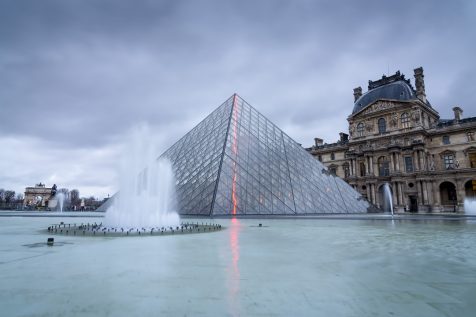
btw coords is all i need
(387, 199)
(470, 206)
(146, 197)
(60, 197)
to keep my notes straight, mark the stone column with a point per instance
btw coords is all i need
(415, 161)
(400, 187)
(436, 193)
(392, 163)
(429, 189)
(399, 202)
(425, 193)
(374, 198)
(369, 195)
(421, 160)
(394, 193)
(397, 155)
(372, 166)
(460, 194)
(419, 192)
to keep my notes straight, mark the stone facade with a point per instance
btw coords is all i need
(397, 137)
(33, 194)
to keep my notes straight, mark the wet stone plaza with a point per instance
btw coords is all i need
(286, 267)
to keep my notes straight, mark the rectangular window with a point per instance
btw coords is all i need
(408, 164)
(472, 160)
(384, 169)
(448, 161)
(446, 139)
(405, 120)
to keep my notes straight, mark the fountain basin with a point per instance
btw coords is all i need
(94, 229)
(411, 266)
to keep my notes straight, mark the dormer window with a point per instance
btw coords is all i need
(382, 126)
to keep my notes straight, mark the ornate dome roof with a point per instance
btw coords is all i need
(395, 87)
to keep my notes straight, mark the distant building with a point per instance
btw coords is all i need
(38, 195)
(397, 137)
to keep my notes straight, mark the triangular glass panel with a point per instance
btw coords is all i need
(237, 162)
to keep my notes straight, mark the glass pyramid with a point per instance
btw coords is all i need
(237, 162)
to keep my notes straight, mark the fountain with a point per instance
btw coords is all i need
(146, 197)
(470, 206)
(387, 199)
(60, 198)
(146, 202)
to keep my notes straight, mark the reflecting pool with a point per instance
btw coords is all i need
(292, 267)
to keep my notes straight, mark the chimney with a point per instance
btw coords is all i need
(318, 141)
(420, 84)
(344, 137)
(357, 93)
(458, 113)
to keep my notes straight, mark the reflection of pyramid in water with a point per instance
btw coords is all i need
(237, 162)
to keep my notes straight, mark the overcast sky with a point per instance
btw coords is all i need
(76, 76)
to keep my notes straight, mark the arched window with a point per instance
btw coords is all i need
(472, 160)
(405, 118)
(382, 126)
(360, 129)
(470, 189)
(448, 194)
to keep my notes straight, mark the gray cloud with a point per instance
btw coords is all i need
(76, 75)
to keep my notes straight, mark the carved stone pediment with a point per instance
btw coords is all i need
(447, 152)
(377, 106)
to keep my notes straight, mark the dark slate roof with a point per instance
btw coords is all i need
(397, 90)
(449, 122)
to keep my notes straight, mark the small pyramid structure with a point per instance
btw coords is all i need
(237, 162)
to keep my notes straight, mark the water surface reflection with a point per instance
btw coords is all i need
(234, 269)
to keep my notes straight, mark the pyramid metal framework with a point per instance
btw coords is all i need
(237, 162)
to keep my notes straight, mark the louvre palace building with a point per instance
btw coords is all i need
(397, 137)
